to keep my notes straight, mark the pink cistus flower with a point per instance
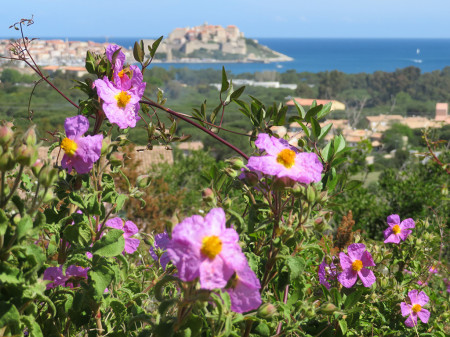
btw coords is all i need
(244, 290)
(354, 265)
(327, 272)
(283, 160)
(204, 248)
(80, 152)
(161, 242)
(129, 229)
(397, 230)
(72, 275)
(414, 310)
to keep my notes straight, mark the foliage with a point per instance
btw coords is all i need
(65, 271)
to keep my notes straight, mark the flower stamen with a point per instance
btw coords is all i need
(69, 146)
(122, 98)
(211, 246)
(396, 229)
(286, 158)
(416, 308)
(357, 265)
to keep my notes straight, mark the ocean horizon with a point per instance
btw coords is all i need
(348, 55)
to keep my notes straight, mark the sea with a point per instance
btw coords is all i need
(355, 55)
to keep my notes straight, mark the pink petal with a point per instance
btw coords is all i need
(76, 126)
(214, 274)
(406, 308)
(130, 229)
(346, 262)
(186, 258)
(404, 234)
(393, 219)
(215, 220)
(116, 223)
(407, 223)
(348, 278)
(367, 277)
(356, 250)
(413, 296)
(422, 299)
(393, 238)
(411, 321)
(131, 245)
(367, 260)
(424, 315)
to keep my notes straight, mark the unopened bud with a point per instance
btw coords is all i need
(250, 178)
(301, 142)
(105, 145)
(26, 154)
(236, 163)
(311, 194)
(6, 161)
(143, 181)
(6, 135)
(48, 176)
(116, 159)
(230, 172)
(328, 308)
(30, 136)
(282, 183)
(227, 203)
(37, 166)
(208, 195)
(267, 310)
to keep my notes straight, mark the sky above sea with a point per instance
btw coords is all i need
(256, 18)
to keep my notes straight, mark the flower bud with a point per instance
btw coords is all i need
(282, 183)
(36, 167)
(250, 178)
(29, 137)
(105, 145)
(236, 163)
(26, 154)
(116, 158)
(48, 176)
(143, 181)
(6, 161)
(230, 172)
(6, 135)
(267, 310)
(227, 203)
(328, 308)
(208, 195)
(311, 194)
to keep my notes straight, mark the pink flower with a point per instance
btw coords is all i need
(397, 230)
(327, 272)
(353, 266)
(129, 229)
(161, 242)
(205, 248)
(120, 56)
(414, 310)
(433, 270)
(244, 292)
(120, 106)
(283, 160)
(73, 275)
(79, 152)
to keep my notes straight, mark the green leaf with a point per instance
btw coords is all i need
(119, 310)
(313, 112)
(120, 201)
(90, 63)
(9, 315)
(79, 233)
(155, 46)
(339, 144)
(296, 266)
(353, 184)
(24, 226)
(92, 204)
(325, 131)
(343, 326)
(138, 52)
(100, 277)
(301, 111)
(353, 298)
(225, 83)
(315, 127)
(3, 222)
(327, 152)
(326, 109)
(111, 244)
(237, 93)
(76, 200)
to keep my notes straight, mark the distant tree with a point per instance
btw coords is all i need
(10, 76)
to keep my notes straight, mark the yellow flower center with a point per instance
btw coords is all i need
(357, 265)
(211, 246)
(396, 229)
(122, 99)
(416, 308)
(286, 158)
(121, 73)
(69, 146)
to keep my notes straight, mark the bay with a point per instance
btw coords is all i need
(346, 55)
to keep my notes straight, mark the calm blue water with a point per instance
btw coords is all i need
(346, 55)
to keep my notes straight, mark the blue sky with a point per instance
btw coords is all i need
(256, 18)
